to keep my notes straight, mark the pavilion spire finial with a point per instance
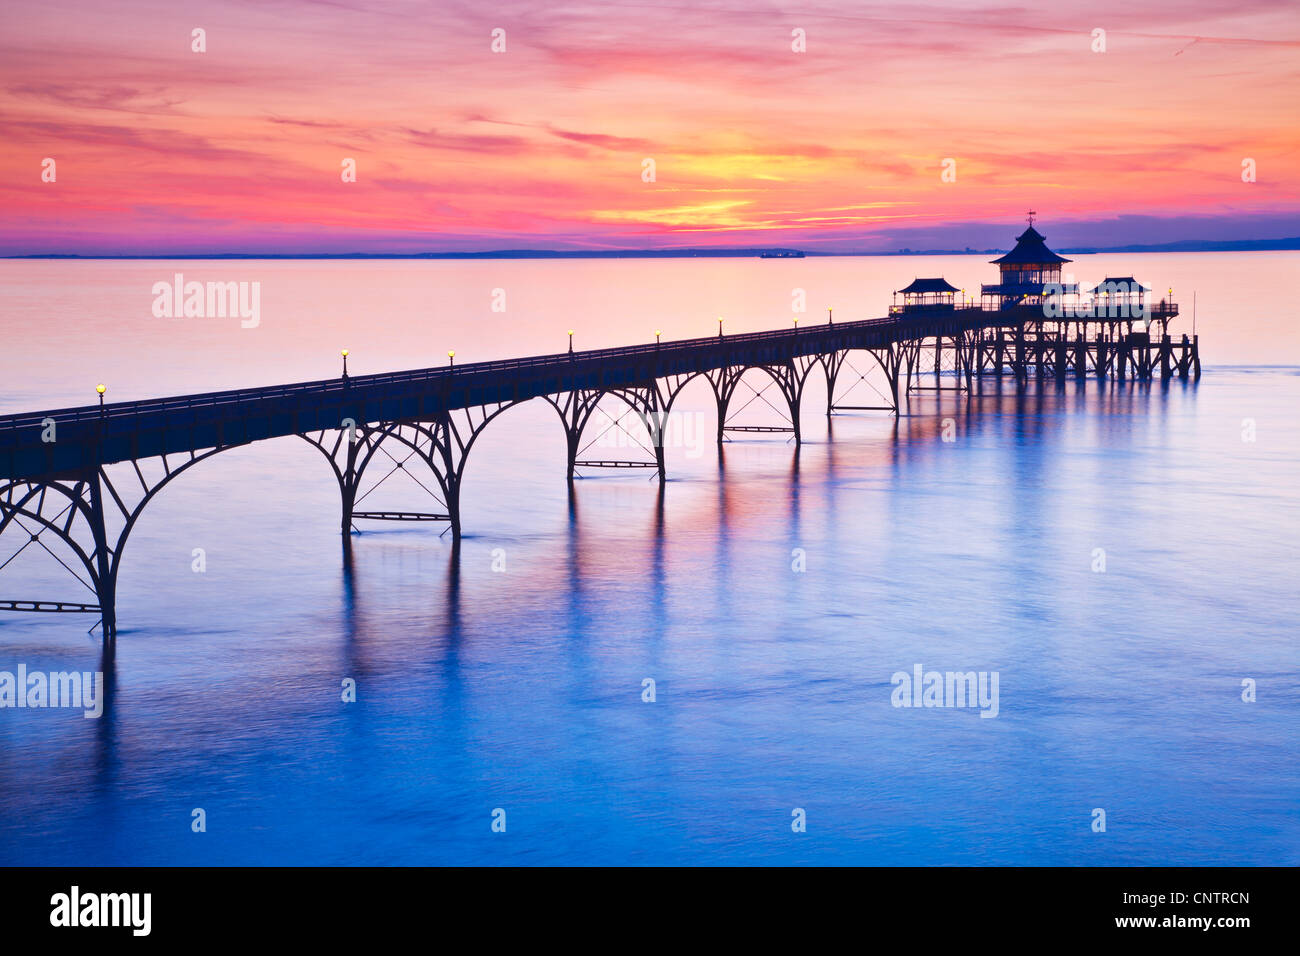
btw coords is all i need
(1030, 217)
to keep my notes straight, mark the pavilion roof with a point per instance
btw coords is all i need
(929, 285)
(1031, 249)
(1120, 284)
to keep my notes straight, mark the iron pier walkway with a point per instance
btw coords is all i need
(82, 476)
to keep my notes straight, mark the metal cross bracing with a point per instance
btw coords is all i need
(90, 517)
(855, 368)
(949, 363)
(76, 480)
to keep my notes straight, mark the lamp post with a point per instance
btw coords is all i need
(344, 353)
(658, 332)
(451, 357)
(570, 341)
(796, 324)
(719, 326)
(830, 316)
(101, 388)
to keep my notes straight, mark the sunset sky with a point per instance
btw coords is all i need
(239, 149)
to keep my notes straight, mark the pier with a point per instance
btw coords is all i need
(81, 477)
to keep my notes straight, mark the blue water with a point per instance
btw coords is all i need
(521, 688)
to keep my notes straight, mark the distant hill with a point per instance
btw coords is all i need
(1201, 245)
(776, 251)
(1185, 245)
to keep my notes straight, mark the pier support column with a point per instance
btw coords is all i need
(1021, 368)
(834, 362)
(656, 422)
(892, 370)
(105, 566)
(453, 508)
(348, 492)
(452, 450)
(571, 439)
(968, 352)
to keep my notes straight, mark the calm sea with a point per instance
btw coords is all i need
(512, 676)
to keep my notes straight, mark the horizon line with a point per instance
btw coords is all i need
(1183, 245)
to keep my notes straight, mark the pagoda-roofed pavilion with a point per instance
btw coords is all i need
(926, 294)
(1125, 298)
(1119, 291)
(1025, 271)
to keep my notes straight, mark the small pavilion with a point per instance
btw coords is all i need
(926, 295)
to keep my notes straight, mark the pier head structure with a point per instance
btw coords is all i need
(75, 481)
(1117, 328)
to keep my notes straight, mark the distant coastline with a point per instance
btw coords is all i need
(776, 252)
